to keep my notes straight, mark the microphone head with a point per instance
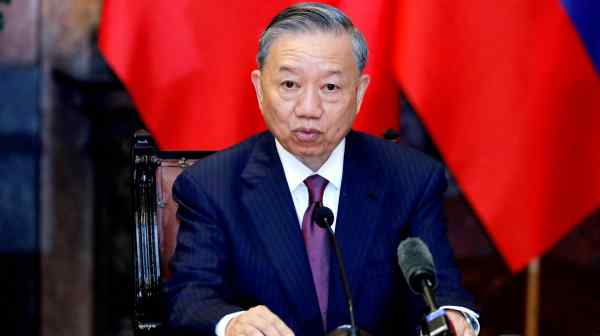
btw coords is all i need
(323, 216)
(416, 263)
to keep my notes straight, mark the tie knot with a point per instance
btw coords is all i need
(316, 186)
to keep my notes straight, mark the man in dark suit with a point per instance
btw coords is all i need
(249, 259)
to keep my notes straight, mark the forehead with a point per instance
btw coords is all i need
(326, 50)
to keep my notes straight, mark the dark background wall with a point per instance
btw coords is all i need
(20, 144)
(65, 225)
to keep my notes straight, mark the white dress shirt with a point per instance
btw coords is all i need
(332, 170)
(296, 172)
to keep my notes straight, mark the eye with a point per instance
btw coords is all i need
(331, 87)
(288, 84)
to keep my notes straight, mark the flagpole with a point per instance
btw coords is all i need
(532, 305)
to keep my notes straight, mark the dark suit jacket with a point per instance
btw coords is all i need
(240, 243)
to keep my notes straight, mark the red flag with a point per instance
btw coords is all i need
(187, 66)
(512, 100)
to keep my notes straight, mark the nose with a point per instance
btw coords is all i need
(309, 104)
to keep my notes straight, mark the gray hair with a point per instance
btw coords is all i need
(312, 17)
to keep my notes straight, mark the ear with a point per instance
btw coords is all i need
(363, 84)
(255, 77)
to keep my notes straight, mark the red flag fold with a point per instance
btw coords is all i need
(512, 100)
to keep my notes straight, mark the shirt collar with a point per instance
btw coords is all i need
(296, 171)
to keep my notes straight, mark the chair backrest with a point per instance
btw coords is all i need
(155, 225)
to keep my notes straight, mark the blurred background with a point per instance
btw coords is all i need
(66, 124)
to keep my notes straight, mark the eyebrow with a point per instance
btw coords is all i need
(286, 68)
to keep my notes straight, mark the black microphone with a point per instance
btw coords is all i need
(416, 263)
(323, 216)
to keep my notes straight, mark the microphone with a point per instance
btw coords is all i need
(323, 217)
(416, 263)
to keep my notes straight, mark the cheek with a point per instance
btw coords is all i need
(342, 118)
(278, 114)
(285, 111)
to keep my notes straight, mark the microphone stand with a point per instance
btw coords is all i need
(435, 322)
(340, 331)
(325, 222)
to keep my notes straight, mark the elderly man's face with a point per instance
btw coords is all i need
(309, 92)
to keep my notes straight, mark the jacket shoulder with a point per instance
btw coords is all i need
(226, 164)
(398, 157)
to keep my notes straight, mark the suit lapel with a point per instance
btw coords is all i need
(360, 203)
(267, 199)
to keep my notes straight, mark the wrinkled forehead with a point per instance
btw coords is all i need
(328, 50)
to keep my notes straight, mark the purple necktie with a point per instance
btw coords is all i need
(315, 239)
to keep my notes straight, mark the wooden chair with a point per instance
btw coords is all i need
(155, 225)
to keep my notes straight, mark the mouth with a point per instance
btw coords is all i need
(306, 134)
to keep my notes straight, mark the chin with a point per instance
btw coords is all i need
(308, 150)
